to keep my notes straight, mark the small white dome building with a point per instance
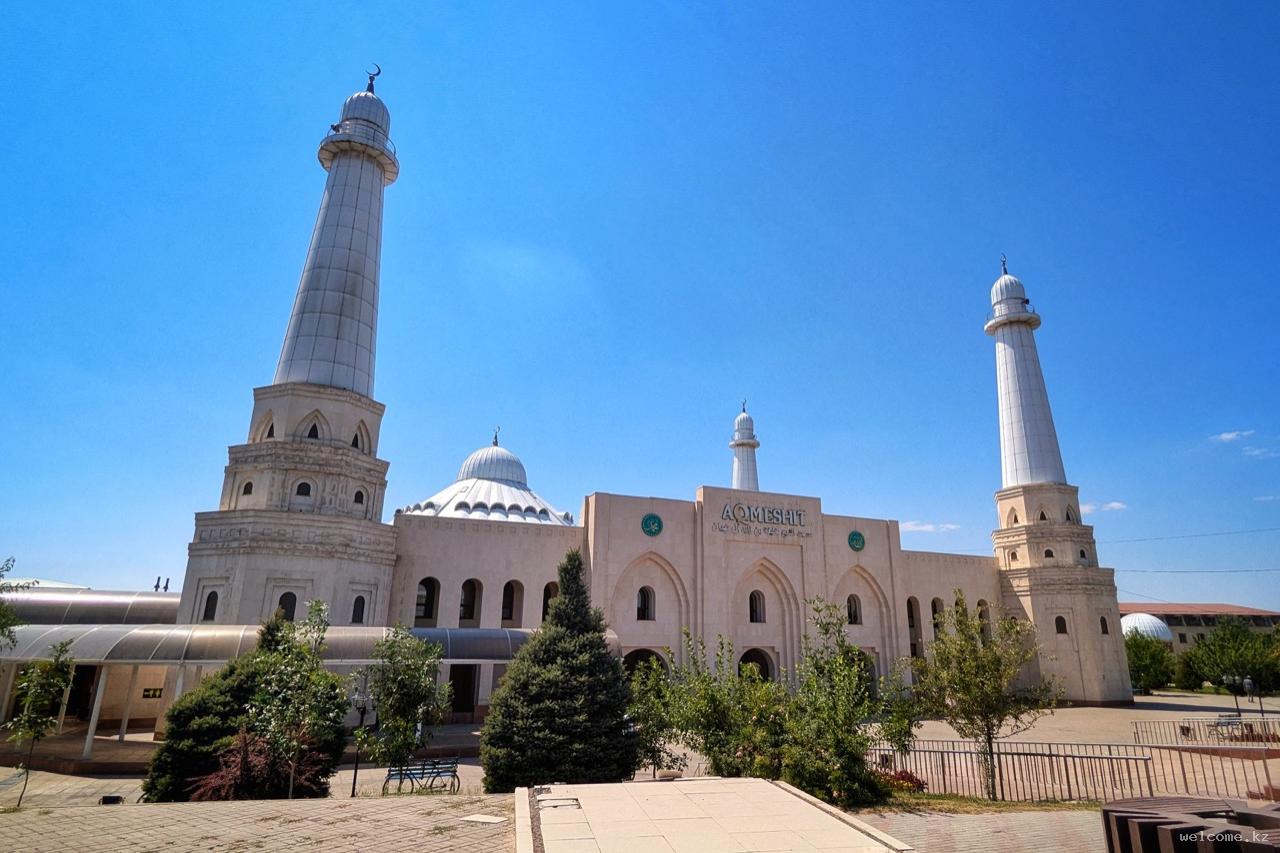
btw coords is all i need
(491, 485)
(1147, 625)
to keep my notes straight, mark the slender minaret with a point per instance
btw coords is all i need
(301, 508)
(334, 325)
(1047, 558)
(1028, 442)
(744, 446)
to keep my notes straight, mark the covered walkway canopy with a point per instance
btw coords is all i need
(80, 606)
(206, 645)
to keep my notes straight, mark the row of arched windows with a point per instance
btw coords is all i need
(1044, 516)
(303, 490)
(1048, 553)
(287, 605)
(471, 597)
(311, 428)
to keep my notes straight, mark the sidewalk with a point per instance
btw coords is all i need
(1007, 832)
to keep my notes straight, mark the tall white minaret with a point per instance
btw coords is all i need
(744, 446)
(1028, 441)
(1047, 556)
(301, 509)
(334, 325)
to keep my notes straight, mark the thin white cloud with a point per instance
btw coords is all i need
(1267, 498)
(1110, 506)
(1233, 435)
(927, 527)
(1261, 452)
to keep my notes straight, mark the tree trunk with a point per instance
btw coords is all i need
(292, 768)
(26, 776)
(991, 764)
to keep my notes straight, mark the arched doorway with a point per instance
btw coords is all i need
(636, 657)
(761, 660)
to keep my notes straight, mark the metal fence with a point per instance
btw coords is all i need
(1228, 730)
(1037, 771)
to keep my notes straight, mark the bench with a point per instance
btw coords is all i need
(426, 772)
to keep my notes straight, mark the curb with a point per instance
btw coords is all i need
(844, 817)
(524, 822)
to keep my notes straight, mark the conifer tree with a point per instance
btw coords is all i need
(559, 715)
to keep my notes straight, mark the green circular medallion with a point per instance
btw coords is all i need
(651, 524)
(857, 541)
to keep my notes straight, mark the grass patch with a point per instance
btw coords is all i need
(953, 804)
(8, 809)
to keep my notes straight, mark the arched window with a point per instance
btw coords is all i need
(755, 606)
(984, 616)
(314, 432)
(1013, 556)
(210, 606)
(1043, 517)
(359, 498)
(357, 611)
(288, 605)
(936, 608)
(1060, 624)
(549, 592)
(1048, 552)
(1071, 516)
(913, 627)
(644, 604)
(271, 431)
(424, 614)
(248, 488)
(303, 490)
(355, 441)
(512, 604)
(1083, 554)
(1106, 629)
(853, 610)
(469, 604)
(1013, 517)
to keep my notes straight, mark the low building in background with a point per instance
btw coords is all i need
(1188, 624)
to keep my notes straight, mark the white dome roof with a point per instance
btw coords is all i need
(1146, 624)
(494, 463)
(1007, 287)
(491, 485)
(366, 106)
(744, 422)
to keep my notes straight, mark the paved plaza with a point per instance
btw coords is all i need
(342, 826)
(692, 816)
(1005, 832)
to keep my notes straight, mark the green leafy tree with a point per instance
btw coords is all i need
(299, 703)
(653, 714)
(730, 714)
(41, 688)
(408, 701)
(559, 714)
(1150, 661)
(831, 721)
(1233, 649)
(973, 678)
(8, 618)
(203, 724)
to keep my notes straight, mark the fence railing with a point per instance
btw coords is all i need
(1038, 771)
(1209, 731)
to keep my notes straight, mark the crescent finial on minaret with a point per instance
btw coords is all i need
(744, 404)
(496, 430)
(1004, 262)
(372, 74)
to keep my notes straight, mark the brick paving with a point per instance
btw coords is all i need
(1003, 832)
(342, 826)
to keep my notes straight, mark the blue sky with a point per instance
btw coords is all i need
(613, 222)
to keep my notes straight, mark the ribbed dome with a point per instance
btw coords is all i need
(494, 463)
(1007, 287)
(744, 422)
(366, 106)
(1147, 625)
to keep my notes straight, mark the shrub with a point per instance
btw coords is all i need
(409, 702)
(902, 781)
(559, 714)
(248, 770)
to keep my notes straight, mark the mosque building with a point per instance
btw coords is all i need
(301, 516)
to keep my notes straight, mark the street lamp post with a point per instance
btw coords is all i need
(360, 701)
